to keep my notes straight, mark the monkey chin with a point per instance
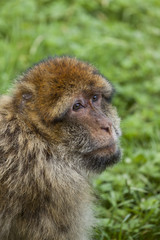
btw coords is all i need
(98, 160)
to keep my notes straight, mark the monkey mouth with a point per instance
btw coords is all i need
(108, 149)
(98, 160)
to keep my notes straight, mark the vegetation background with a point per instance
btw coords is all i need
(122, 39)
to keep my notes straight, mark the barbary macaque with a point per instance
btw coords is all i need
(57, 127)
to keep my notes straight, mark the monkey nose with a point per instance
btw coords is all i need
(107, 128)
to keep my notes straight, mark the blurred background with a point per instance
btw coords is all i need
(122, 39)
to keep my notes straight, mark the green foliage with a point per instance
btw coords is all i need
(121, 38)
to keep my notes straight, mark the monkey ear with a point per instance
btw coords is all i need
(24, 100)
(23, 93)
(27, 96)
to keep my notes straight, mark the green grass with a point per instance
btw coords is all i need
(122, 39)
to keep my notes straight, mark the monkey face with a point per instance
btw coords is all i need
(69, 102)
(95, 134)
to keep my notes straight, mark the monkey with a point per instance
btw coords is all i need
(58, 127)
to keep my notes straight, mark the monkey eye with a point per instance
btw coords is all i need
(108, 99)
(77, 106)
(95, 98)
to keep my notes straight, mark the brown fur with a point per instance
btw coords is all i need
(44, 189)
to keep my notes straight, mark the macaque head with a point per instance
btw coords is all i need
(69, 103)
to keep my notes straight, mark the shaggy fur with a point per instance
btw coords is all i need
(44, 189)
